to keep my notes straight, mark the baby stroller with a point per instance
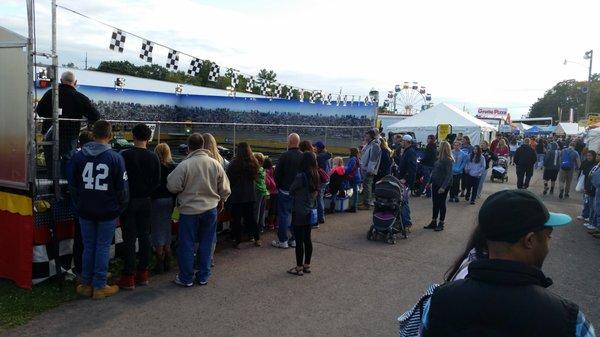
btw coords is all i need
(387, 220)
(500, 170)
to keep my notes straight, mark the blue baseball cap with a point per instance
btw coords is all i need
(510, 214)
(320, 145)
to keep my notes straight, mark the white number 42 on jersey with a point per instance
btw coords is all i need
(95, 178)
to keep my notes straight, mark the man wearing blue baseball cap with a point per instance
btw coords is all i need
(506, 294)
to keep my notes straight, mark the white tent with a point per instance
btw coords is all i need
(569, 129)
(426, 122)
(592, 139)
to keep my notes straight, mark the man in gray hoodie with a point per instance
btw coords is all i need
(369, 164)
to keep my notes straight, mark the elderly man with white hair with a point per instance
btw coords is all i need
(74, 105)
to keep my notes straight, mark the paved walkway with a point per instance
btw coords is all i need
(357, 287)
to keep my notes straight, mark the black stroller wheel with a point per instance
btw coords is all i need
(370, 235)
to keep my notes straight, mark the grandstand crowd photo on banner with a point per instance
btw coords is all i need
(163, 189)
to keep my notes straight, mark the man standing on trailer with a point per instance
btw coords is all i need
(72, 104)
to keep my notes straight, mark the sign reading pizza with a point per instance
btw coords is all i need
(496, 113)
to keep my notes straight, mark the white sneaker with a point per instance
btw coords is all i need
(292, 243)
(588, 226)
(276, 243)
(178, 282)
(580, 217)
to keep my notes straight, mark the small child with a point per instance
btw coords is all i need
(337, 179)
(272, 197)
(262, 193)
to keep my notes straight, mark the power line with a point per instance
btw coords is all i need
(247, 76)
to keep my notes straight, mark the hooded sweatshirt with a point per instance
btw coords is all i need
(552, 159)
(460, 161)
(98, 182)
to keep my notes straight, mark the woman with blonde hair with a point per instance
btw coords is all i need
(210, 145)
(162, 208)
(441, 177)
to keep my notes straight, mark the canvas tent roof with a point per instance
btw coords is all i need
(567, 129)
(426, 122)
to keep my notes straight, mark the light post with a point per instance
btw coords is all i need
(589, 55)
(374, 96)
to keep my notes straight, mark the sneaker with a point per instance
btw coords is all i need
(202, 283)
(292, 243)
(439, 227)
(472, 202)
(432, 225)
(107, 291)
(126, 282)
(580, 217)
(85, 290)
(278, 244)
(587, 225)
(178, 282)
(560, 194)
(141, 278)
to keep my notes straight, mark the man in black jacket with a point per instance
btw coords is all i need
(505, 294)
(74, 105)
(427, 163)
(285, 172)
(525, 158)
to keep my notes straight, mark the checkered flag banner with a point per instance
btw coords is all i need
(263, 87)
(117, 41)
(338, 100)
(290, 93)
(329, 97)
(146, 52)
(366, 100)
(215, 71)
(345, 100)
(352, 101)
(312, 97)
(301, 95)
(195, 66)
(279, 90)
(250, 84)
(173, 59)
(322, 97)
(235, 79)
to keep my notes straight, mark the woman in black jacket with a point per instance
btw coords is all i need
(441, 178)
(588, 190)
(242, 173)
(304, 192)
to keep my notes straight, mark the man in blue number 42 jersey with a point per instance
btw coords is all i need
(98, 185)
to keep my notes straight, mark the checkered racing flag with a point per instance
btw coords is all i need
(313, 95)
(301, 95)
(214, 73)
(338, 100)
(345, 100)
(263, 87)
(146, 52)
(329, 97)
(352, 101)
(366, 100)
(279, 90)
(290, 93)
(250, 84)
(117, 41)
(195, 66)
(173, 59)
(235, 79)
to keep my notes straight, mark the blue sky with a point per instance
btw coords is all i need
(469, 53)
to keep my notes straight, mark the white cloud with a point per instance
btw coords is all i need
(477, 52)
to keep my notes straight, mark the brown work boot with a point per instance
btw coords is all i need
(84, 290)
(107, 291)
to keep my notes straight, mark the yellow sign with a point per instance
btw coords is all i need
(443, 130)
(593, 119)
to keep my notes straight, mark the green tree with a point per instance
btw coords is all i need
(268, 75)
(70, 65)
(567, 94)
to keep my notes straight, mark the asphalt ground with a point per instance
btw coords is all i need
(357, 287)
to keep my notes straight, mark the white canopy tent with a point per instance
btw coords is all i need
(568, 129)
(426, 122)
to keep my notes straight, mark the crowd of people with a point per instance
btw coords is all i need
(139, 189)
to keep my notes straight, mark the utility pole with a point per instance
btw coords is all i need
(86, 60)
(589, 55)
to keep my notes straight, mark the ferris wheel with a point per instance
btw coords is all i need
(408, 99)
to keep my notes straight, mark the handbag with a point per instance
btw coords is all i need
(580, 183)
(313, 218)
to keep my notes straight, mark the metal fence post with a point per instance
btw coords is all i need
(234, 138)
(158, 132)
(326, 131)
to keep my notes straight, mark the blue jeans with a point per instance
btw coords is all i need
(284, 215)
(194, 228)
(405, 213)
(588, 202)
(481, 180)
(426, 170)
(354, 200)
(540, 161)
(595, 210)
(321, 203)
(97, 237)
